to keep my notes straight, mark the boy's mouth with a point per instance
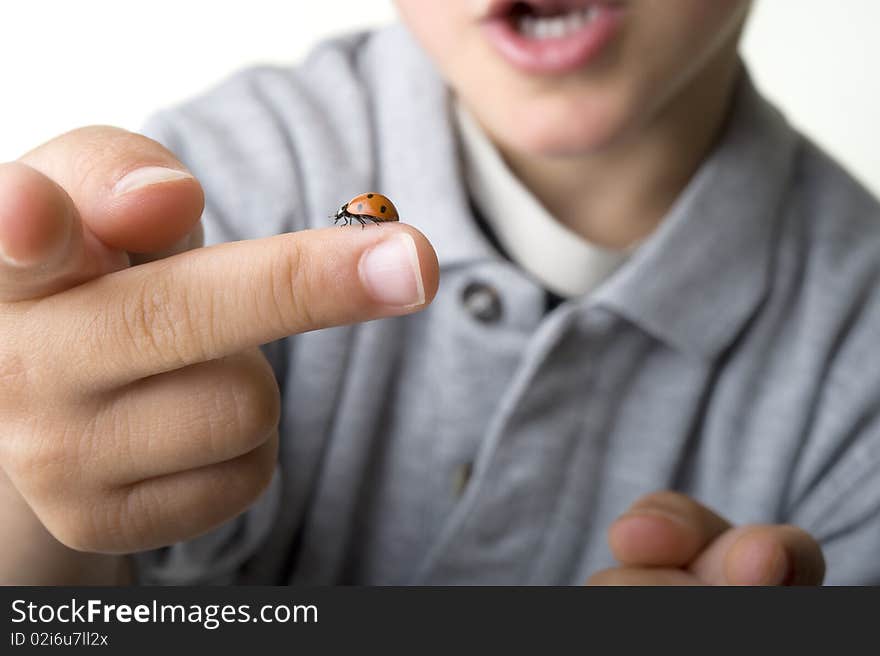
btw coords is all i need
(541, 20)
(552, 36)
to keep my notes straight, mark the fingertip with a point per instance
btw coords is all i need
(36, 217)
(149, 210)
(397, 267)
(664, 528)
(428, 263)
(652, 538)
(129, 191)
(390, 272)
(806, 554)
(757, 558)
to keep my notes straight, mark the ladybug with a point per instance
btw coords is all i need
(367, 207)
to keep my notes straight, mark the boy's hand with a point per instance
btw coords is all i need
(667, 538)
(135, 407)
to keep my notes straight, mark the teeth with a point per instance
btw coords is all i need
(574, 22)
(556, 27)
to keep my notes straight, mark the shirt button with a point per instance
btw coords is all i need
(482, 301)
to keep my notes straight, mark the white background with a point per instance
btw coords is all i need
(65, 63)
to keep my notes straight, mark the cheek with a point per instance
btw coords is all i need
(675, 40)
(685, 29)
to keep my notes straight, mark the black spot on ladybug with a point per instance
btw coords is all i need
(360, 206)
(382, 209)
(369, 195)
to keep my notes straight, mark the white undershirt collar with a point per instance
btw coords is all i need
(557, 257)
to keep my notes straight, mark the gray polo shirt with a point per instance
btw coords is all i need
(732, 357)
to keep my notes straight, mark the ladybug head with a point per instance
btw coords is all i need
(341, 212)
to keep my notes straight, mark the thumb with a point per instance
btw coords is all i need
(73, 208)
(130, 191)
(43, 246)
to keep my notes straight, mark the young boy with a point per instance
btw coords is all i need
(635, 276)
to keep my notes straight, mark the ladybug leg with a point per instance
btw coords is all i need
(361, 220)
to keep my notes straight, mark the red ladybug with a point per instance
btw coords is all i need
(367, 207)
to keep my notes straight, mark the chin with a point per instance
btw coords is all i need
(560, 129)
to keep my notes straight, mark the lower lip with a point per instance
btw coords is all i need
(555, 55)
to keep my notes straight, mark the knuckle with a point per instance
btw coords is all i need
(91, 148)
(48, 463)
(97, 146)
(255, 399)
(291, 286)
(74, 523)
(119, 520)
(129, 518)
(157, 319)
(91, 140)
(23, 360)
(45, 459)
(15, 376)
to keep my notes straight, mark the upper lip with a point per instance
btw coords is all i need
(502, 8)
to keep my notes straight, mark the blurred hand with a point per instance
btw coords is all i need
(667, 538)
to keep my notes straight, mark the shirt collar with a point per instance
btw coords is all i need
(560, 259)
(692, 284)
(696, 281)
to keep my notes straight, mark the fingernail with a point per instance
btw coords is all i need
(391, 273)
(39, 244)
(146, 176)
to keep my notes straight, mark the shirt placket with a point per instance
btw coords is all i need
(497, 522)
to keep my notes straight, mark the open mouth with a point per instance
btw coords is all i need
(535, 21)
(552, 36)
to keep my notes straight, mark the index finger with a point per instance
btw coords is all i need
(216, 301)
(664, 529)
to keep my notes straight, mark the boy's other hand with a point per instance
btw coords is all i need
(136, 409)
(667, 538)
